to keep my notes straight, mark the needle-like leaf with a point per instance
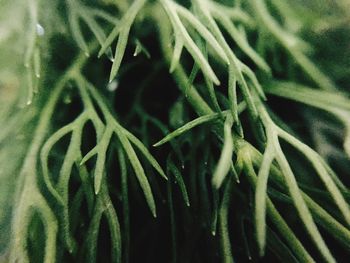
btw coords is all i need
(224, 164)
(260, 197)
(187, 127)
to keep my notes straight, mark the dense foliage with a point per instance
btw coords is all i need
(174, 131)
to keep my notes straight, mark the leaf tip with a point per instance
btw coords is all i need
(154, 213)
(100, 53)
(157, 144)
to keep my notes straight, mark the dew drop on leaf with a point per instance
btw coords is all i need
(40, 31)
(67, 99)
(112, 86)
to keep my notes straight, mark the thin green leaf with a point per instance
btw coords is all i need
(96, 30)
(145, 152)
(177, 53)
(234, 13)
(260, 197)
(279, 248)
(188, 42)
(119, 52)
(179, 180)
(88, 156)
(224, 164)
(224, 232)
(114, 228)
(300, 204)
(141, 48)
(33, 14)
(208, 82)
(247, 71)
(104, 15)
(214, 211)
(139, 172)
(124, 24)
(111, 37)
(36, 63)
(210, 22)
(50, 225)
(203, 32)
(322, 172)
(90, 244)
(172, 221)
(44, 156)
(125, 202)
(193, 74)
(71, 156)
(276, 218)
(30, 86)
(241, 41)
(321, 99)
(188, 126)
(101, 158)
(76, 32)
(232, 96)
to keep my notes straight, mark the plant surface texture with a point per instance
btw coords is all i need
(174, 131)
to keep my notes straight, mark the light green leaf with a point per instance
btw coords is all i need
(187, 127)
(260, 197)
(145, 152)
(314, 158)
(178, 177)
(224, 164)
(119, 52)
(139, 172)
(300, 204)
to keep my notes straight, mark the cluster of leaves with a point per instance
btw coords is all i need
(235, 162)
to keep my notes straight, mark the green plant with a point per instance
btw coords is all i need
(84, 167)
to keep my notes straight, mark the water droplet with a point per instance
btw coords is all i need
(183, 166)
(112, 86)
(137, 50)
(205, 163)
(40, 31)
(67, 99)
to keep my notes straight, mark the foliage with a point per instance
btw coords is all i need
(238, 174)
